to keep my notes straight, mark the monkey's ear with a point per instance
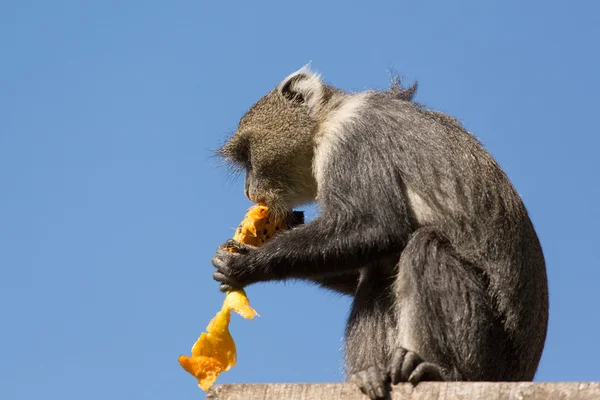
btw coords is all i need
(303, 87)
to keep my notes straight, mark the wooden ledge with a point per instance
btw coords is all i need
(423, 391)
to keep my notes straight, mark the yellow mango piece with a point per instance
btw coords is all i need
(214, 351)
(257, 228)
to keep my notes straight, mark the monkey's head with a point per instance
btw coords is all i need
(274, 142)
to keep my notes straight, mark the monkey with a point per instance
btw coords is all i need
(416, 221)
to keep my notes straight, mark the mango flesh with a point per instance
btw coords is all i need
(214, 351)
(257, 227)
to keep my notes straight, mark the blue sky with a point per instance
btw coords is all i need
(111, 205)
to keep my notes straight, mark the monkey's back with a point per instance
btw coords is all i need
(458, 187)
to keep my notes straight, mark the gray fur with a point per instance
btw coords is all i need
(417, 221)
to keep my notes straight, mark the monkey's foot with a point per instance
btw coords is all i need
(407, 366)
(373, 381)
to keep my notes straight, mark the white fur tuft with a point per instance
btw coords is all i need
(304, 70)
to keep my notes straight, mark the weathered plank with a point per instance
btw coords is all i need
(423, 391)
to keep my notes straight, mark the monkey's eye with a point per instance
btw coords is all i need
(239, 154)
(244, 154)
(237, 150)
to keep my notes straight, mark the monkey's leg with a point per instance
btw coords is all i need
(371, 329)
(447, 324)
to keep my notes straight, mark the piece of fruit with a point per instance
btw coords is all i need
(257, 227)
(214, 351)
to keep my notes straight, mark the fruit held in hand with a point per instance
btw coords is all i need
(214, 351)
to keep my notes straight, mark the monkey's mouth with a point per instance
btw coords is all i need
(292, 217)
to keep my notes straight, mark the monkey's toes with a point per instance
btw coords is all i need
(373, 382)
(408, 366)
(426, 372)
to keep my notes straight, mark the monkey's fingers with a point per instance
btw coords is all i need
(395, 368)
(239, 247)
(223, 258)
(227, 288)
(426, 372)
(404, 362)
(372, 382)
(227, 283)
(408, 366)
(221, 261)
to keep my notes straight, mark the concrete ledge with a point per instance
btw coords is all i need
(423, 391)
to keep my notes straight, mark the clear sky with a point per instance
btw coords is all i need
(111, 205)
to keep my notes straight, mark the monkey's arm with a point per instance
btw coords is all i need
(328, 245)
(344, 283)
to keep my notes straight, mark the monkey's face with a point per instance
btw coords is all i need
(274, 146)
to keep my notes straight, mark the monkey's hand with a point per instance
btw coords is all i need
(235, 269)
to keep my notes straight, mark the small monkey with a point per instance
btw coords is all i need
(417, 222)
